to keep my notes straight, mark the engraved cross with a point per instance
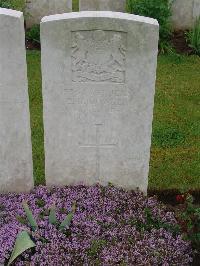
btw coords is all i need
(98, 146)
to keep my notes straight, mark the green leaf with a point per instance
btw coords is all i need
(30, 216)
(67, 221)
(52, 215)
(22, 243)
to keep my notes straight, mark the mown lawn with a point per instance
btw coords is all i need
(175, 153)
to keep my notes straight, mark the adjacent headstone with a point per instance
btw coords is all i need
(196, 10)
(102, 5)
(15, 135)
(185, 13)
(36, 9)
(99, 72)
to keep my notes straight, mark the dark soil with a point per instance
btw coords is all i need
(196, 260)
(179, 42)
(168, 196)
(31, 45)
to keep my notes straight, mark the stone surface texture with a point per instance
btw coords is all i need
(196, 9)
(15, 135)
(102, 5)
(99, 71)
(36, 9)
(185, 13)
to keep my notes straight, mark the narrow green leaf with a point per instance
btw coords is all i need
(67, 221)
(22, 243)
(30, 216)
(52, 215)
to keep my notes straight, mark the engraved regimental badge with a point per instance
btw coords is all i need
(98, 56)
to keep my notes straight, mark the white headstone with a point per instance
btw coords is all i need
(196, 10)
(15, 135)
(185, 13)
(36, 9)
(99, 71)
(102, 5)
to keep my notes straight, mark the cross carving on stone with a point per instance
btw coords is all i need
(98, 146)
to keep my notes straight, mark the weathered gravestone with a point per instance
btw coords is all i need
(185, 13)
(103, 5)
(196, 10)
(36, 9)
(15, 135)
(99, 73)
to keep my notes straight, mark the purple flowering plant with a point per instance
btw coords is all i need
(25, 239)
(110, 226)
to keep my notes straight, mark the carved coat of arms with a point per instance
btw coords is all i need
(98, 56)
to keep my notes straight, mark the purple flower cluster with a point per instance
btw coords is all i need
(108, 228)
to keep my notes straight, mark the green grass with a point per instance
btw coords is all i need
(175, 153)
(18, 4)
(13, 4)
(75, 5)
(35, 98)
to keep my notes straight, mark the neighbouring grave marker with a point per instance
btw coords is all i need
(196, 10)
(36, 9)
(185, 13)
(102, 5)
(99, 72)
(15, 135)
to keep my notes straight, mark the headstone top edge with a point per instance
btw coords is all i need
(11, 12)
(99, 14)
